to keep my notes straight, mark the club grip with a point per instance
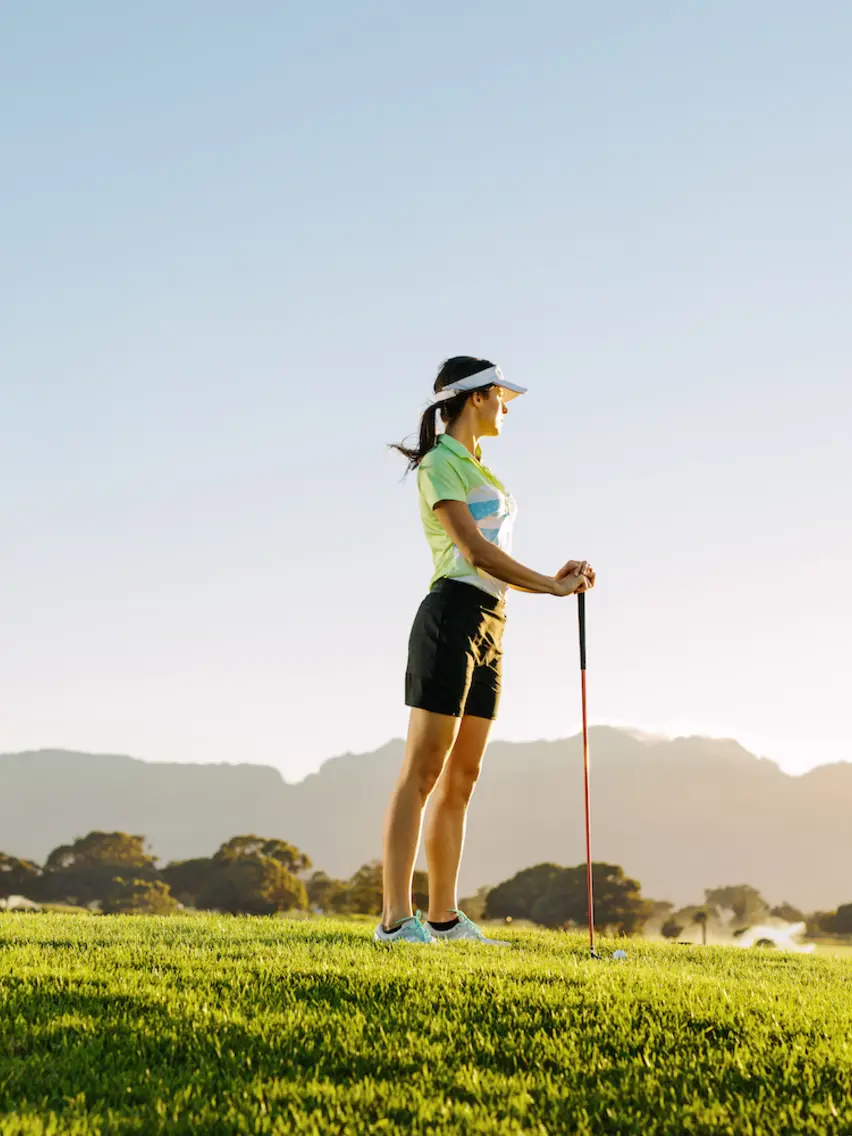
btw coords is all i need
(581, 616)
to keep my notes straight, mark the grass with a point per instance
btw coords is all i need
(222, 1025)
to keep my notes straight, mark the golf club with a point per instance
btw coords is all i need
(581, 613)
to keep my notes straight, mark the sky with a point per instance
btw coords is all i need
(236, 243)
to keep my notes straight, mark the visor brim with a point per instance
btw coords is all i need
(510, 390)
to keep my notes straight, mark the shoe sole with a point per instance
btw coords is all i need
(492, 943)
(405, 943)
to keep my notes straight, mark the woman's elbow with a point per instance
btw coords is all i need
(478, 554)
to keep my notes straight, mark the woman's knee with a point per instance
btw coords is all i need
(424, 767)
(460, 783)
(431, 738)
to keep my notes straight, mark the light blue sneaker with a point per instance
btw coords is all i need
(410, 930)
(466, 929)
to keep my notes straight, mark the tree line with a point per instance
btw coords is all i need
(735, 907)
(253, 875)
(248, 875)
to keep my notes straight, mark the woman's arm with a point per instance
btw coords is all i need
(456, 518)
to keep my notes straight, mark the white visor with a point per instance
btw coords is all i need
(492, 377)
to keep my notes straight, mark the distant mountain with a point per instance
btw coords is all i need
(679, 815)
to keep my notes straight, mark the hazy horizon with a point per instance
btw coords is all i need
(643, 735)
(238, 244)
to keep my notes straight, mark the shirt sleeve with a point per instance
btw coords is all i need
(438, 480)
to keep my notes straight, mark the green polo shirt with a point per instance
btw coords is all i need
(449, 472)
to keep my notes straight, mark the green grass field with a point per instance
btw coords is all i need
(225, 1025)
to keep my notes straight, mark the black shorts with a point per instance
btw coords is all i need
(455, 652)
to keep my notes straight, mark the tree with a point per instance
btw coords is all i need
(363, 893)
(287, 854)
(618, 902)
(252, 875)
(841, 924)
(84, 871)
(364, 889)
(255, 875)
(516, 897)
(659, 911)
(698, 914)
(18, 877)
(140, 897)
(701, 920)
(745, 902)
(671, 929)
(820, 923)
(188, 878)
(100, 848)
(788, 913)
(252, 885)
(327, 894)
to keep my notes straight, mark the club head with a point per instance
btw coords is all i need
(594, 954)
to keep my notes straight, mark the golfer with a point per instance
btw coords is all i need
(452, 680)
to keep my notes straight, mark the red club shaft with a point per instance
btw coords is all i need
(581, 612)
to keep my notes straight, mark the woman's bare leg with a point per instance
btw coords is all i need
(430, 740)
(445, 825)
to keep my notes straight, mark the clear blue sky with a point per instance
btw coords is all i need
(238, 240)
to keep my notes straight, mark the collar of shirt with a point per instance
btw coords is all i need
(457, 448)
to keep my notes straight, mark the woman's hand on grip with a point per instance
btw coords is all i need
(571, 585)
(578, 568)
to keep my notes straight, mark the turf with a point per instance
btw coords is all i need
(224, 1025)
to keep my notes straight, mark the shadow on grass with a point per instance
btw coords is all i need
(116, 1048)
(131, 1051)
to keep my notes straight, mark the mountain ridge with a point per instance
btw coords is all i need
(680, 814)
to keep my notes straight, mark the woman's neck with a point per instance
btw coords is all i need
(463, 433)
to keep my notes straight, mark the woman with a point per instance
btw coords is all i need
(452, 681)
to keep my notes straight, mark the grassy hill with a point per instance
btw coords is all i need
(221, 1025)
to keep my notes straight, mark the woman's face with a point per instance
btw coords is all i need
(491, 411)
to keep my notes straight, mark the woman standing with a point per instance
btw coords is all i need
(452, 681)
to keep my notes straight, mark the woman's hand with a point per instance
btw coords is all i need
(571, 585)
(578, 568)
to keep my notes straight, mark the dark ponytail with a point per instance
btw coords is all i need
(459, 367)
